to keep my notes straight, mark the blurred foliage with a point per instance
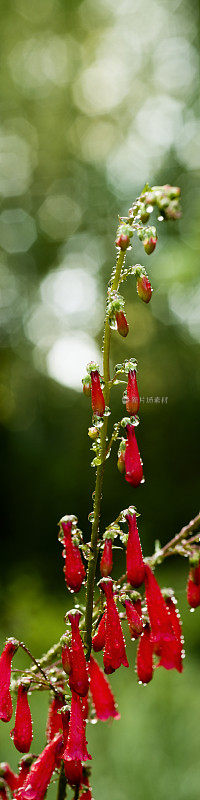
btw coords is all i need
(97, 99)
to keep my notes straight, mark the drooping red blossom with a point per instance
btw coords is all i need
(38, 779)
(5, 676)
(164, 641)
(76, 748)
(73, 768)
(102, 696)
(24, 768)
(3, 791)
(114, 651)
(134, 559)
(54, 721)
(133, 398)
(9, 776)
(133, 461)
(73, 771)
(149, 244)
(22, 732)
(65, 655)
(73, 569)
(177, 628)
(193, 587)
(144, 289)
(78, 676)
(122, 324)
(134, 619)
(145, 656)
(106, 563)
(98, 641)
(98, 402)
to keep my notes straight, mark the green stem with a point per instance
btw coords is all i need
(100, 469)
(62, 784)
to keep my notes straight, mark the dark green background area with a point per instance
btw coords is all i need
(97, 99)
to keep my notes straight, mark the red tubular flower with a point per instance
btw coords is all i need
(76, 748)
(133, 398)
(164, 641)
(122, 324)
(98, 641)
(133, 462)
(73, 772)
(176, 625)
(38, 779)
(54, 721)
(98, 402)
(134, 559)
(145, 656)
(24, 769)
(102, 696)
(106, 563)
(73, 570)
(22, 733)
(114, 651)
(134, 619)
(193, 587)
(5, 676)
(78, 677)
(73, 768)
(144, 289)
(9, 776)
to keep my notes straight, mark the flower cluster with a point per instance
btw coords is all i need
(132, 608)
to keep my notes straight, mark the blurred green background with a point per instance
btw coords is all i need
(97, 99)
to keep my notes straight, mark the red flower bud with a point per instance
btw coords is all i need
(123, 241)
(22, 733)
(134, 619)
(133, 462)
(54, 721)
(76, 744)
(102, 696)
(9, 776)
(98, 402)
(66, 659)
(73, 569)
(133, 398)
(5, 676)
(78, 677)
(149, 244)
(106, 563)
(122, 324)
(114, 651)
(98, 641)
(145, 656)
(193, 587)
(38, 779)
(163, 638)
(144, 289)
(134, 559)
(121, 463)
